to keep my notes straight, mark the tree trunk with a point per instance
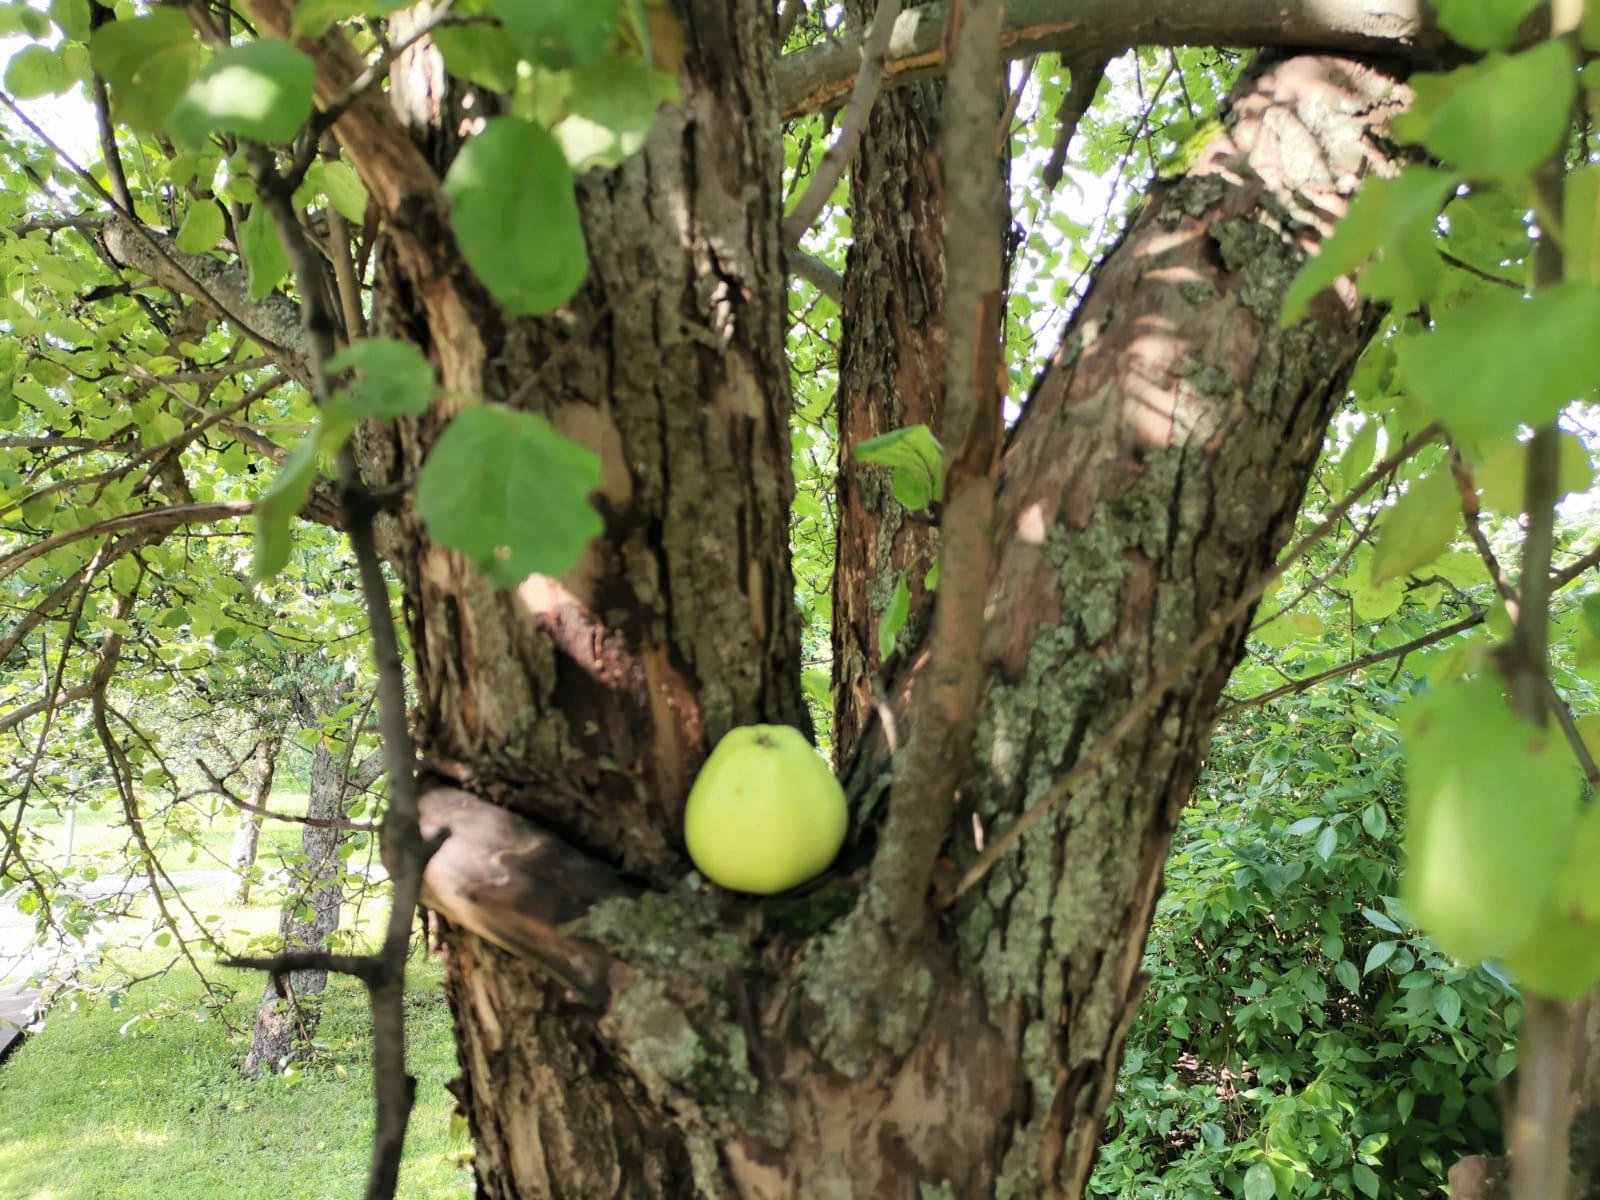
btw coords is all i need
(891, 375)
(247, 837)
(310, 911)
(691, 1042)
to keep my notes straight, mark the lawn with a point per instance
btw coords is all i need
(187, 840)
(144, 1101)
(138, 1096)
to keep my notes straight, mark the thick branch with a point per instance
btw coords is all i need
(822, 76)
(274, 321)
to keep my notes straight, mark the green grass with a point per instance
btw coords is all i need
(105, 1106)
(193, 840)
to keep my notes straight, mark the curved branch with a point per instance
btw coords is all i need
(822, 76)
(220, 287)
(146, 519)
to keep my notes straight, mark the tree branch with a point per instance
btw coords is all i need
(820, 77)
(816, 272)
(944, 702)
(831, 169)
(1146, 702)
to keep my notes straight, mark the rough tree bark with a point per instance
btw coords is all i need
(891, 374)
(691, 1042)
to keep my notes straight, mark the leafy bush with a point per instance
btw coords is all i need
(1298, 1038)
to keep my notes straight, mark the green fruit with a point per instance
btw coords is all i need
(765, 813)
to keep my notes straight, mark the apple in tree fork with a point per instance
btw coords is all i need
(765, 813)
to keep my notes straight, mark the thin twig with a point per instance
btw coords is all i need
(407, 850)
(1139, 711)
(1308, 682)
(220, 788)
(831, 169)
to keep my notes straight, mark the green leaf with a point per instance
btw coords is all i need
(1581, 214)
(72, 16)
(1405, 1104)
(610, 108)
(515, 216)
(263, 252)
(395, 380)
(1259, 1183)
(1380, 953)
(1365, 1178)
(1483, 24)
(1591, 613)
(1418, 529)
(1347, 975)
(1375, 821)
(1447, 1003)
(149, 62)
(1500, 117)
(278, 507)
(202, 228)
(894, 616)
(510, 493)
(1500, 361)
(478, 54)
(37, 71)
(917, 459)
(1357, 457)
(1561, 957)
(313, 18)
(1377, 603)
(346, 192)
(1327, 842)
(1492, 805)
(261, 90)
(1392, 221)
(1503, 474)
(559, 34)
(1378, 919)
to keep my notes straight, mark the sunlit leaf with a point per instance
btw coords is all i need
(393, 379)
(1483, 24)
(559, 34)
(202, 228)
(1501, 361)
(1500, 117)
(1492, 804)
(260, 90)
(515, 216)
(917, 460)
(1418, 529)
